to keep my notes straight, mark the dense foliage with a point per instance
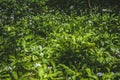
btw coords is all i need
(38, 43)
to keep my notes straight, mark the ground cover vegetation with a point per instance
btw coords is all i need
(59, 40)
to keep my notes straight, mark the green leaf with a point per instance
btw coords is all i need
(15, 75)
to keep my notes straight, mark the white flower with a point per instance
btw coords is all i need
(40, 47)
(104, 22)
(37, 65)
(71, 7)
(113, 73)
(30, 23)
(41, 54)
(90, 22)
(8, 68)
(100, 74)
(106, 10)
(49, 67)
(12, 17)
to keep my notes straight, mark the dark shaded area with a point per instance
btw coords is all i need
(11, 11)
(84, 5)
